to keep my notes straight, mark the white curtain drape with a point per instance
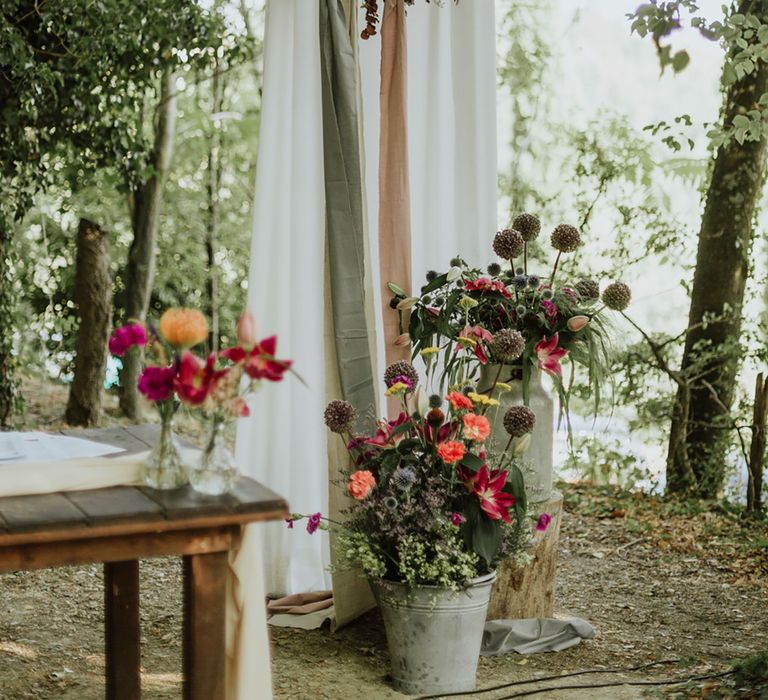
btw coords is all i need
(283, 443)
(452, 150)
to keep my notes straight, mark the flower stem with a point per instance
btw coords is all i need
(554, 269)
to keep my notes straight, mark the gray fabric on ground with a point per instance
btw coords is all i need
(533, 635)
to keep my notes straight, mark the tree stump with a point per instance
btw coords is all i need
(93, 295)
(529, 591)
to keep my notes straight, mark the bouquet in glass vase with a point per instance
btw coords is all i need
(177, 330)
(218, 386)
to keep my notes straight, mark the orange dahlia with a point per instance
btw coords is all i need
(183, 328)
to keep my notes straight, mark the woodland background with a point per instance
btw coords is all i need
(129, 136)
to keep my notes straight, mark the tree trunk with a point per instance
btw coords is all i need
(145, 218)
(757, 448)
(93, 296)
(711, 357)
(212, 226)
(8, 396)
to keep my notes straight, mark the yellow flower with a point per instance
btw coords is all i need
(482, 399)
(427, 352)
(396, 388)
(466, 342)
(467, 303)
(502, 387)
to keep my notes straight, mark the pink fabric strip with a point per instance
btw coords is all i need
(394, 199)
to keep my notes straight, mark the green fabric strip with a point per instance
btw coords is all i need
(344, 206)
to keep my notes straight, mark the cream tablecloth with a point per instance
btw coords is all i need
(248, 665)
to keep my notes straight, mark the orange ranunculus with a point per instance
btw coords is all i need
(360, 484)
(459, 401)
(183, 328)
(451, 451)
(476, 428)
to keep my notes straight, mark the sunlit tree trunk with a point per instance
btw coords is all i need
(146, 199)
(7, 374)
(93, 295)
(701, 423)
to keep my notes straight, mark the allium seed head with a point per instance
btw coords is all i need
(519, 420)
(494, 269)
(528, 225)
(435, 401)
(340, 415)
(401, 369)
(565, 238)
(587, 289)
(508, 244)
(617, 296)
(507, 345)
(432, 274)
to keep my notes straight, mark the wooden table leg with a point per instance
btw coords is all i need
(205, 586)
(122, 634)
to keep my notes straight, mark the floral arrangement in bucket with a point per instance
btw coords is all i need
(431, 513)
(217, 386)
(470, 318)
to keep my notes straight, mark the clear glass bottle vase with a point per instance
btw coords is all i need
(216, 472)
(163, 468)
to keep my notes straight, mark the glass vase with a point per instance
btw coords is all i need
(216, 471)
(163, 469)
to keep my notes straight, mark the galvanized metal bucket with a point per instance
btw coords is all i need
(434, 634)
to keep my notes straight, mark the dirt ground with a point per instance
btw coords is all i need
(658, 580)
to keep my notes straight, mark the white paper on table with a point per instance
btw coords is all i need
(38, 446)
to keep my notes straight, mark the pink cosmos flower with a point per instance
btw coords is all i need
(549, 355)
(313, 522)
(156, 383)
(477, 335)
(483, 284)
(289, 522)
(543, 522)
(125, 337)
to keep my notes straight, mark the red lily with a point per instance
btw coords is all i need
(382, 438)
(483, 284)
(260, 361)
(476, 336)
(549, 355)
(488, 488)
(195, 380)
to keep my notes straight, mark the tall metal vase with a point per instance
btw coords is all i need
(538, 457)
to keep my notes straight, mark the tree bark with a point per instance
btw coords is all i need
(711, 358)
(8, 387)
(145, 218)
(212, 225)
(757, 448)
(93, 296)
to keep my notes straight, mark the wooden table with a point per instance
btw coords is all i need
(118, 526)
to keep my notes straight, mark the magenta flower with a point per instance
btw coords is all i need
(543, 522)
(156, 383)
(313, 522)
(125, 337)
(549, 355)
(403, 380)
(457, 519)
(550, 309)
(289, 522)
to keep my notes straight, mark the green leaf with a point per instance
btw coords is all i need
(680, 60)
(482, 535)
(439, 281)
(472, 462)
(397, 290)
